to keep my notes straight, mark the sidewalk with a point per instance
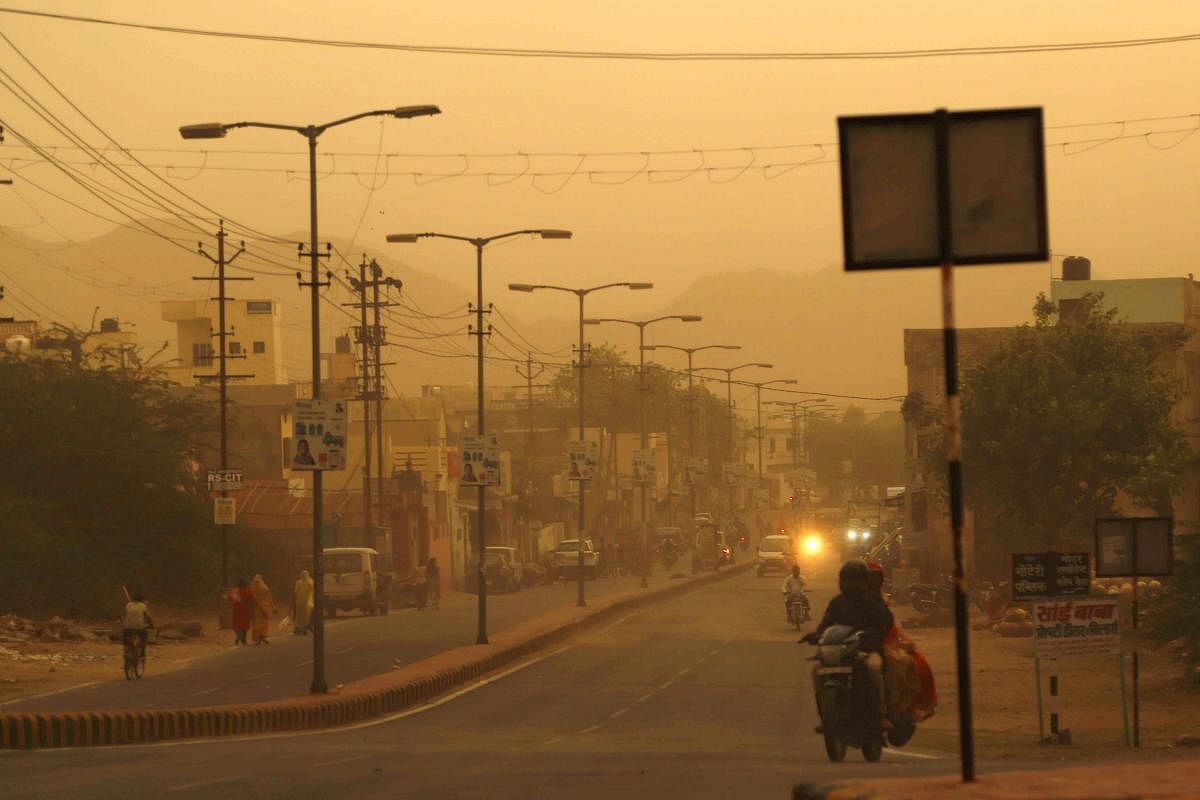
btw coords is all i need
(355, 647)
(1147, 780)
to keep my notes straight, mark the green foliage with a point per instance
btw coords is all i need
(97, 489)
(1058, 419)
(873, 448)
(611, 399)
(1175, 614)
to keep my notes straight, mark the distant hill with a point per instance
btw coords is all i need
(834, 332)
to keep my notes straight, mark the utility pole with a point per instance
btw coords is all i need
(365, 337)
(372, 339)
(222, 374)
(529, 375)
(377, 280)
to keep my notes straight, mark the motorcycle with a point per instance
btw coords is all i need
(928, 598)
(847, 701)
(799, 610)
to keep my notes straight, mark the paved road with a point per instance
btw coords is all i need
(705, 695)
(355, 648)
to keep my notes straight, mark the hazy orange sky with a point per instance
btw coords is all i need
(1129, 205)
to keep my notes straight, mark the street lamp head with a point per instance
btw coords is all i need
(727, 347)
(763, 365)
(408, 112)
(592, 321)
(554, 233)
(690, 318)
(641, 286)
(648, 347)
(402, 238)
(204, 130)
(520, 287)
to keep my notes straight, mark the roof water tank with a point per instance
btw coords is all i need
(1077, 268)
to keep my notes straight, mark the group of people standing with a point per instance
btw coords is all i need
(253, 610)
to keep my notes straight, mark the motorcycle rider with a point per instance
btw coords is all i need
(793, 585)
(863, 611)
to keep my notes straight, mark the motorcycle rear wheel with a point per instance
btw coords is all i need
(872, 750)
(835, 747)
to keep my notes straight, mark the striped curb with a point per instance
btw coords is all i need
(356, 702)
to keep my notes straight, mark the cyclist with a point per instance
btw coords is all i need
(134, 623)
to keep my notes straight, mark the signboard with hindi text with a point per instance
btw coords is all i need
(1077, 627)
(1038, 575)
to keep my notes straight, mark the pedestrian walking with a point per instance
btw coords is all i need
(264, 609)
(302, 603)
(243, 610)
(433, 581)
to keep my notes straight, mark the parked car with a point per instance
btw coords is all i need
(497, 571)
(566, 559)
(775, 554)
(355, 578)
(514, 560)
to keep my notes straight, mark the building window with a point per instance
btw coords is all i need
(202, 354)
(258, 306)
(260, 347)
(771, 445)
(235, 348)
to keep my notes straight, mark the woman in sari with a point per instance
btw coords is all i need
(908, 674)
(302, 603)
(243, 610)
(264, 609)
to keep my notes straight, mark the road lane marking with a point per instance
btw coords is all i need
(666, 685)
(685, 670)
(913, 754)
(340, 761)
(343, 652)
(256, 677)
(371, 723)
(644, 697)
(590, 728)
(618, 712)
(206, 691)
(555, 740)
(48, 694)
(183, 787)
(304, 663)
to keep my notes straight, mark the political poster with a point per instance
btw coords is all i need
(318, 435)
(582, 458)
(644, 468)
(480, 463)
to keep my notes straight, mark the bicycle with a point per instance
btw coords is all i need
(135, 655)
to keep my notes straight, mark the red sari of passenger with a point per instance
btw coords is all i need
(243, 607)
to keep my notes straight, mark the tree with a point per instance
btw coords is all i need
(98, 488)
(1058, 420)
(873, 449)
(1175, 614)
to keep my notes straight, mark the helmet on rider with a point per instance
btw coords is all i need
(852, 577)
(795, 570)
(875, 577)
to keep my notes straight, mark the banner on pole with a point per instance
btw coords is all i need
(224, 511)
(1090, 627)
(1042, 575)
(644, 468)
(480, 461)
(318, 435)
(582, 458)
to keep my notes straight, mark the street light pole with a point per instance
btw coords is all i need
(479, 242)
(581, 294)
(217, 130)
(691, 351)
(758, 387)
(645, 439)
(729, 402)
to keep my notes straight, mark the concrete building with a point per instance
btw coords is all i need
(254, 338)
(1140, 302)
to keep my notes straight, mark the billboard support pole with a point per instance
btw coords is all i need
(954, 444)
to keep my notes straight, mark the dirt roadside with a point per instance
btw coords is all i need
(1004, 698)
(43, 665)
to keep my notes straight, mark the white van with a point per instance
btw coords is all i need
(355, 578)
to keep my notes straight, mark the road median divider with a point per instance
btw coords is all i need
(403, 688)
